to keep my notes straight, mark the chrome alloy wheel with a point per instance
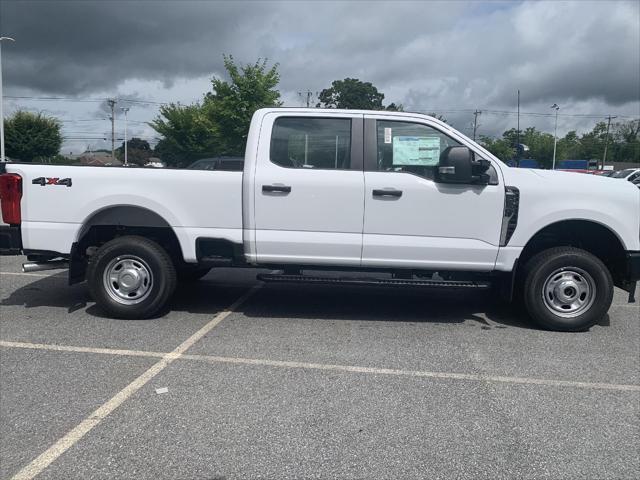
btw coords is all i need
(568, 292)
(128, 279)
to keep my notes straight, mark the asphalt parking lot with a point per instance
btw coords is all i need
(274, 381)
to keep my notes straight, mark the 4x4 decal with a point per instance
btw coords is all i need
(44, 181)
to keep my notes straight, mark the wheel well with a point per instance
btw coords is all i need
(590, 236)
(118, 221)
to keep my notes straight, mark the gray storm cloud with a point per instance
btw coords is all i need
(422, 54)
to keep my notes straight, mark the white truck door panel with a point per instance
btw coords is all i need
(424, 224)
(306, 209)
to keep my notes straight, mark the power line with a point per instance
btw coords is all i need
(507, 112)
(88, 100)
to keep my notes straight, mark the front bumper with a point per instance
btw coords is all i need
(10, 240)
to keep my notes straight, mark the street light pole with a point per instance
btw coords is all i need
(555, 136)
(126, 159)
(2, 157)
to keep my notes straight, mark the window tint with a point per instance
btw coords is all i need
(298, 142)
(410, 147)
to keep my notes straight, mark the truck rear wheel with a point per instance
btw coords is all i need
(131, 277)
(567, 289)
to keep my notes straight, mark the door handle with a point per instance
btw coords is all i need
(276, 188)
(387, 193)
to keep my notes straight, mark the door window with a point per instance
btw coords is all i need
(410, 147)
(321, 143)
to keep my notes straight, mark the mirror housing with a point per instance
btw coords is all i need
(458, 165)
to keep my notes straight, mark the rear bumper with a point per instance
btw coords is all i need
(10, 240)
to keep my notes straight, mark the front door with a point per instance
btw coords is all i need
(414, 222)
(309, 189)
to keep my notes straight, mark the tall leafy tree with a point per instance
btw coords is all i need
(351, 93)
(500, 147)
(138, 151)
(231, 104)
(32, 136)
(188, 134)
(220, 124)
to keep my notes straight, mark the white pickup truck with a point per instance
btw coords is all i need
(401, 198)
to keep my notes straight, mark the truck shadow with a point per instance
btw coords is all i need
(317, 302)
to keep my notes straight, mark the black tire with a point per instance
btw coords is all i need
(188, 274)
(568, 266)
(156, 266)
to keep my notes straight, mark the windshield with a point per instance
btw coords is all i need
(622, 173)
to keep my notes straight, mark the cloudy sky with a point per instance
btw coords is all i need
(447, 57)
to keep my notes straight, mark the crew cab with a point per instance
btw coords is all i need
(385, 198)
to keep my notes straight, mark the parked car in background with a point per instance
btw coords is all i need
(630, 174)
(233, 164)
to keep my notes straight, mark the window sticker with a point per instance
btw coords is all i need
(387, 135)
(416, 150)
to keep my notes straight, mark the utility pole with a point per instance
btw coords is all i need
(555, 136)
(2, 157)
(518, 144)
(606, 141)
(112, 103)
(475, 123)
(308, 94)
(126, 159)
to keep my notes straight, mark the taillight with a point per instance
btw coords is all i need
(10, 195)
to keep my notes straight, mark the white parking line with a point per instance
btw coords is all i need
(68, 348)
(72, 437)
(476, 377)
(22, 274)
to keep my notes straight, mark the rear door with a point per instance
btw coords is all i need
(411, 220)
(309, 189)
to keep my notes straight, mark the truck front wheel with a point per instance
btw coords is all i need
(567, 289)
(131, 277)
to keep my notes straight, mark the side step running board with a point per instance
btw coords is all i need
(367, 281)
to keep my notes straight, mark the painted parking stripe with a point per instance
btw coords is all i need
(68, 348)
(476, 377)
(417, 373)
(22, 274)
(72, 437)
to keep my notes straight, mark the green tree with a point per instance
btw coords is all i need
(569, 147)
(540, 146)
(188, 134)
(138, 151)
(351, 93)
(592, 143)
(392, 107)
(220, 124)
(500, 147)
(32, 136)
(438, 116)
(626, 147)
(231, 105)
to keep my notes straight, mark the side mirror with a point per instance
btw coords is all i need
(458, 165)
